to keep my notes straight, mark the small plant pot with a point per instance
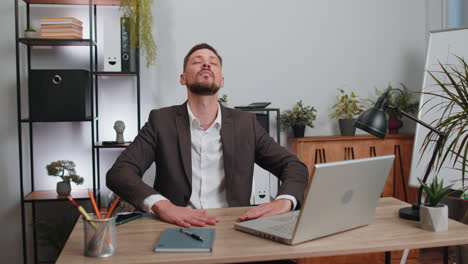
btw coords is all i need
(394, 124)
(434, 218)
(346, 127)
(63, 188)
(30, 34)
(298, 131)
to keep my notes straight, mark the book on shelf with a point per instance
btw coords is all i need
(60, 23)
(61, 30)
(60, 19)
(53, 26)
(61, 36)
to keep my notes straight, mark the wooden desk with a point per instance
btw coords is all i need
(135, 240)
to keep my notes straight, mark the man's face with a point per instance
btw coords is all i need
(203, 75)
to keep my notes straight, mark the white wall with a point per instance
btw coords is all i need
(284, 51)
(274, 50)
(10, 228)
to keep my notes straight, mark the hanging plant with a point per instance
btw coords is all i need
(141, 27)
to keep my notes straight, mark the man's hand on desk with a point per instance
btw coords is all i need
(275, 207)
(182, 216)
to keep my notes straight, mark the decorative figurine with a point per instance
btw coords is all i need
(119, 127)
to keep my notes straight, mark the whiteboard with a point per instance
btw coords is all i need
(443, 45)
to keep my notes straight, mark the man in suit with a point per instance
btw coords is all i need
(204, 155)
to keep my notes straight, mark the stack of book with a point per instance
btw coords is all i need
(61, 28)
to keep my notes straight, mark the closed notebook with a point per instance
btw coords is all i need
(172, 240)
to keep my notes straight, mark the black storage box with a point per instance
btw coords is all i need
(59, 95)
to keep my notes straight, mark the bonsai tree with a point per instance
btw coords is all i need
(65, 169)
(436, 191)
(454, 118)
(346, 109)
(299, 117)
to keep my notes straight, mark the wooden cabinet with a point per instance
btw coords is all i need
(312, 150)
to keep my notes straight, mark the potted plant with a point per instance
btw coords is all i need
(299, 117)
(345, 110)
(433, 214)
(405, 101)
(223, 100)
(30, 33)
(453, 84)
(65, 169)
(141, 27)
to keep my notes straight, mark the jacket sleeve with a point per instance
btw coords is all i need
(272, 157)
(125, 176)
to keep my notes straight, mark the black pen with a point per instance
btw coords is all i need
(188, 233)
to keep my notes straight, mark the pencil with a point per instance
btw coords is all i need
(82, 211)
(112, 207)
(93, 202)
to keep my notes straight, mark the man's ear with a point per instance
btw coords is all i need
(222, 82)
(182, 79)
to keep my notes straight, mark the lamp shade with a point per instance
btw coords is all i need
(373, 121)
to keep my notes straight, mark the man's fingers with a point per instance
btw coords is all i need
(199, 211)
(208, 219)
(254, 213)
(182, 223)
(195, 222)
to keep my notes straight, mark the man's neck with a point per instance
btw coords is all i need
(205, 109)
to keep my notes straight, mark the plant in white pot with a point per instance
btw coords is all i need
(65, 169)
(345, 110)
(30, 33)
(433, 214)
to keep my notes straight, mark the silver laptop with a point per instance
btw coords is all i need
(341, 196)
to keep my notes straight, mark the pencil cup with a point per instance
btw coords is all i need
(99, 236)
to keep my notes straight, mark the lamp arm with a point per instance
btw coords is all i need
(426, 125)
(437, 147)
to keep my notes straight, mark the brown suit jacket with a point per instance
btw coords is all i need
(165, 140)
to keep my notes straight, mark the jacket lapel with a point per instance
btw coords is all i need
(227, 139)
(184, 136)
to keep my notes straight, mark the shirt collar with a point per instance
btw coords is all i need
(194, 122)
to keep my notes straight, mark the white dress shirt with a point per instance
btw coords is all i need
(208, 179)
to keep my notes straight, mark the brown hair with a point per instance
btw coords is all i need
(198, 47)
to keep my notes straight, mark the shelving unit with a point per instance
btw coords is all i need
(33, 196)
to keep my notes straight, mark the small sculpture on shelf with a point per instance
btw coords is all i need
(119, 127)
(65, 169)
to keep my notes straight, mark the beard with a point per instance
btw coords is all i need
(203, 89)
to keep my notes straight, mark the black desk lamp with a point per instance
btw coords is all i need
(374, 121)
